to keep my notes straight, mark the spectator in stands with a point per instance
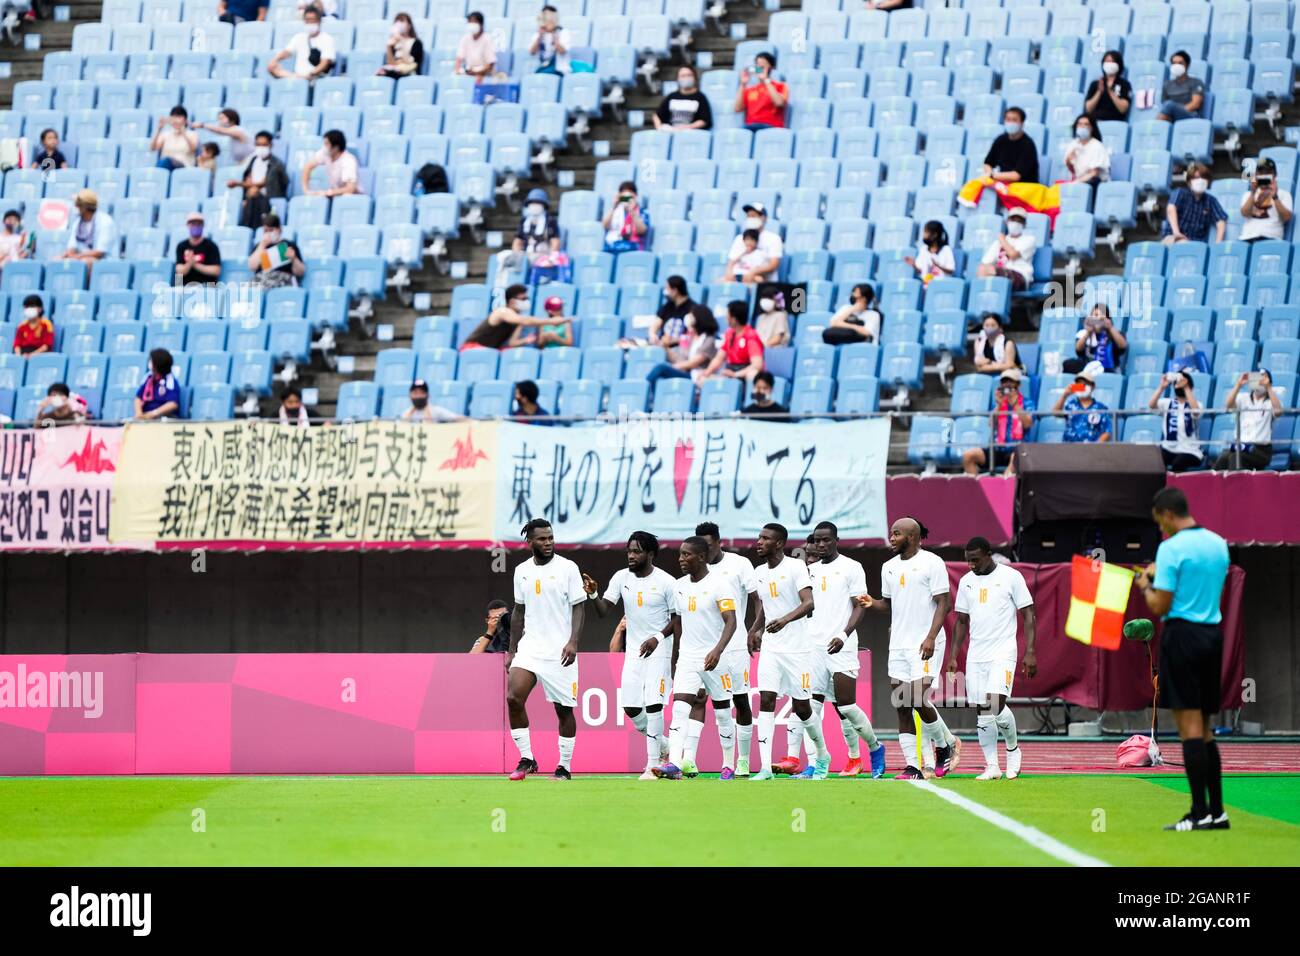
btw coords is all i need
(744, 267)
(15, 242)
(35, 333)
(626, 223)
(330, 8)
(538, 235)
(764, 101)
(62, 405)
(550, 44)
(1011, 420)
(264, 178)
(177, 146)
(762, 402)
(526, 393)
(934, 258)
(313, 52)
(686, 107)
(669, 326)
(693, 352)
(1011, 256)
(49, 156)
(1013, 157)
(495, 331)
(762, 264)
(773, 322)
(558, 330)
(1265, 207)
(275, 261)
(227, 125)
(159, 395)
(476, 55)
(993, 351)
(1110, 95)
(344, 175)
(1086, 421)
(236, 12)
(404, 55)
(1192, 209)
(208, 156)
(887, 5)
(93, 235)
(421, 411)
(1183, 95)
(741, 354)
(859, 321)
(1098, 341)
(292, 410)
(1086, 156)
(1257, 407)
(1181, 450)
(495, 638)
(198, 260)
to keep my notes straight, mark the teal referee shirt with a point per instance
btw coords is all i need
(1192, 565)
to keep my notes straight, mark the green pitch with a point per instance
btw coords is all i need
(231, 821)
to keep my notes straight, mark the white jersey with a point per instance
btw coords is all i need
(911, 587)
(700, 605)
(778, 588)
(647, 605)
(741, 574)
(992, 601)
(548, 592)
(835, 584)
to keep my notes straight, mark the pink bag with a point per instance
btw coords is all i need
(1138, 751)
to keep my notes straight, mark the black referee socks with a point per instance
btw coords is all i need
(1214, 778)
(1196, 762)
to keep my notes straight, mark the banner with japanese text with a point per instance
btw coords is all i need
(249, 484)
(56, 487)
(598, 484)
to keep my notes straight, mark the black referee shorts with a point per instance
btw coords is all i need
(1191, 662)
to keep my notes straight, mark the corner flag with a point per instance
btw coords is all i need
(1099, 595)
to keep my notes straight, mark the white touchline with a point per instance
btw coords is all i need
(1032, 836)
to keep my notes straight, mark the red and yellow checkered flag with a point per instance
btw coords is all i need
(1099, 595)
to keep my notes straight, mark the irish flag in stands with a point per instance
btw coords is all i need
(1099, 594)
(1031, 197)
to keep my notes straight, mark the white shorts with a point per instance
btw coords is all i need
(731, 677)
(989, 678)
(826, 666)
(559, 683)
(786, 672)
(645, 680)
(905, 663)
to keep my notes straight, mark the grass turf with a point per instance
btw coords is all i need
(144, 821)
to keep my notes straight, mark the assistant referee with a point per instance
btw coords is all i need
(1191, 566)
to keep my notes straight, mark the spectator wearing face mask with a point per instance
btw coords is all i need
(1098, 341)
(275, 261)
(159, 395)
(626, 223)
(177, 146)
(15, 242)
(1012, 255)
(1110, 95)
(994, 351)
(858, 321)
(312, 51)
(476, 54)
(538, 235)
(292, 410)
(227, 125)
(1013, 157)
(1086, 156)
(764, 262)
(686, 107)
(343, 174)
(1192, 210)
(421, 411)
(1257, 407)
(404, 54)
(763, 403)
(934, 258)
(669, 325)
(35, 333)
(1086, 419)
(761, 98)
(62, 405)
(557, 332)
(773, 322)
(264, 178)
(1183, 95)
(198, 259)
(495, 331)
(1265, 208)
(691, 356)
(1180, 449)
(1011, 423)
(741, 353)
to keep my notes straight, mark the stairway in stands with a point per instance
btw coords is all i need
(56, 36)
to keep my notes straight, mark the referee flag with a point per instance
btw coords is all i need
(1099, 595)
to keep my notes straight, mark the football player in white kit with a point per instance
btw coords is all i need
(836, 581)
(779, 637)
(544, 628)
(646, 592)
(990, 597)
(915, 592)
(732, 687)
(704, 618)
(794, 735)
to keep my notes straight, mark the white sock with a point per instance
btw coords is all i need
(566, 751)
(927, 753)
(1007, 724)
(809, 746)
(861, 723)
(677, 732)
(907, 744)
(813, 728)
(932, 733)
(766, 728)
(639, 721)
(793, 735)
(850, 737)
(654, 735)
(726, 736)
(744, 738)
(693, 730)
(986, 728)
(524, 741)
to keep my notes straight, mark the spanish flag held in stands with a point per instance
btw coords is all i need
(1099, 594)
(1031, 197)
